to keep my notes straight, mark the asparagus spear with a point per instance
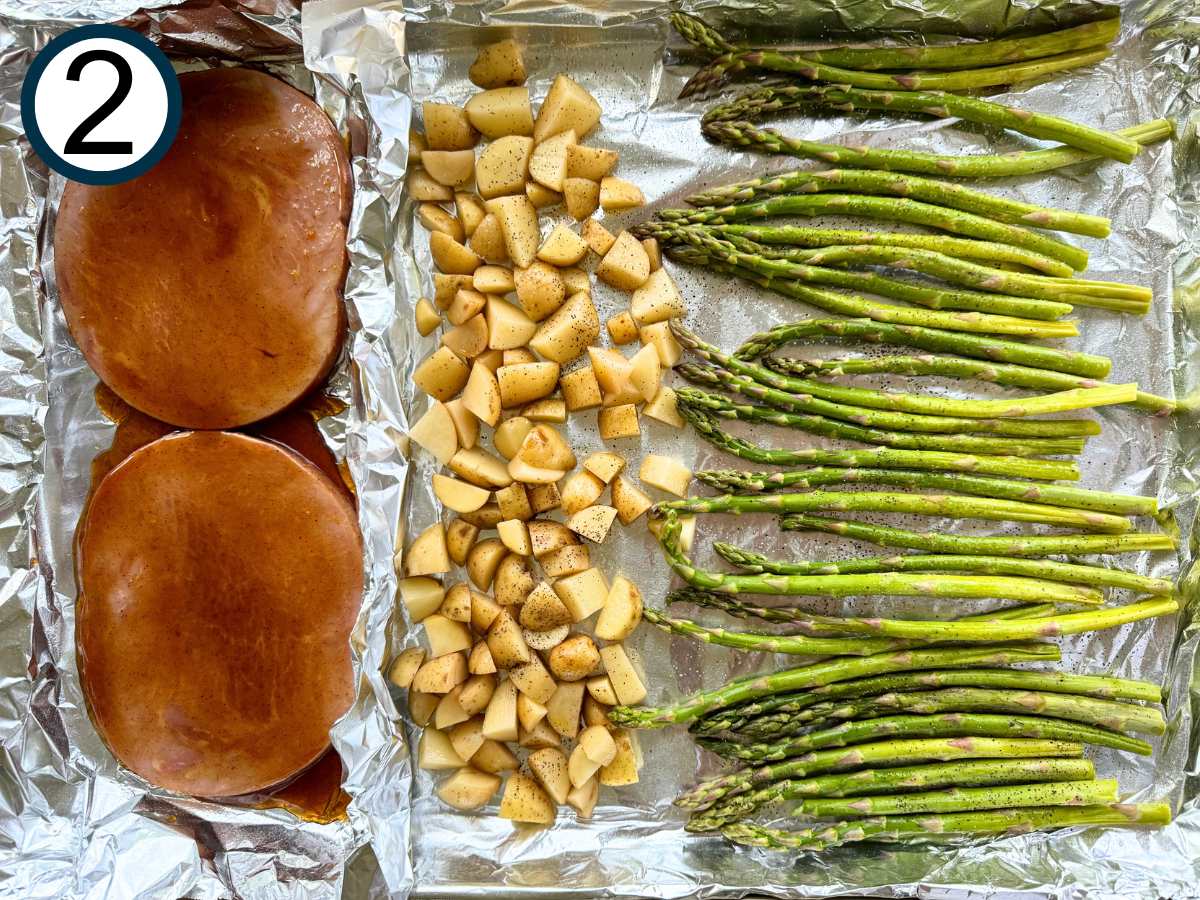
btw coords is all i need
(806, 677)
(924, 423)
(893, 209)
(873, 332)
(846, 95)
(738, 717)
(880, 753)
(880, 457)
(967, 443)
(857, 307)
(960, 55)
(1110, 714)
(738, 482)
(955, 367)
(1046, 569)
(950, 825)
(997, 545)
(963, 773)
(941, 193)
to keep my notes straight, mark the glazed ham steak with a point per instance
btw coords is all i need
(207, 292)
(220, 576)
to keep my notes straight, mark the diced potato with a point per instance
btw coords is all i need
(469, 339)
(441, 675)
(468, 789)
(562, 710)
(567, 333)
(595, 713)
(539, 736)
(566, 560)
(664, 408)
(659, 334)
(601, 689)
(593, 523)
(544, 446)
(459, 496)
(605, 465)
(580, 767)
(480, 661)
(479, 467)
(575, 658)
(625, 266)
(547, 536)
(514, 534)
(623, 770)
(493, 359)
(495, 758)
(562, 247)
(513, 581)
(645, 373)
(549, 767)
(654, 252)
(500, 719)
(543, 498)
(416, 146)
(498, 64)
(467, 737)
(487, 516)
(622, 611)
(427, 316)
(576, 280)
(493, 280)
(434, 432)
(582, 799)
(548, 164)
(445, 635)
(567, 106)
(581, 490)
(541, 196)
(476, 693)
(598, 744)
(611, 368)
(467, 303)
(470, 212)
(599, 238)
(622, 329)
(523, 383)
(405, 666)
(529, 711)
(500, 112)
(519, 222)
(423, 189)
(483, 561)
(503, 167)
(618, 422)
(546, 640)
(626, 682)
(543, 610)
(583, 593)
(481, 396)
(665, 473)
(508, 327)
(488, 242)
(435, 753)
(421, 596)
(506, 642)
(460, 538)
(434, 218)
(453, 168)
(592, 163)
(532, 679)
(447, 127)
(530, 474)
(525, 801)
(540, 289)
(582, 197)
(617, 194)
(548, 409)
(580, 389)
(626, 394)
(457, 605)
(441, 374)
(514, 505)
(421, 707)
(446, 287)
(452, 257)
(509, 435)
(427, 555)
(657, 300)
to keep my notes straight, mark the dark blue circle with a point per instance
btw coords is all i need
(38, 67)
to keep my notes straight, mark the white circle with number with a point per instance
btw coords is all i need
(101, 105)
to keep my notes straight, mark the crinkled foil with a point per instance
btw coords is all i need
(73, 825)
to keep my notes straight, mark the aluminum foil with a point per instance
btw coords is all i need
(74, 825)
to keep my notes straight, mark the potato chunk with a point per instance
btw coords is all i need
(583, 593)
(548, 165)
(664, 408)
(519, 222)
(421, 596)
(468, 789)
(427, 317)
(575, 658)
(508, 327)
(562, 247)
(592, 163)
(526, 382)
(540, 289)
(625, 266)
(582, 197)
(435, 753)
(593, 523)
(452, 257)
(482, 397)
(629, 500)
(423, 189)
(567, 106)
(499, 112)
(580, 389)
(498, 64)
(503, 167)
(599, 238)
(427, 554)
(433, 218)
(622, 329)
(549, 766)
(617, 422)
(617, 194)
(434, 432)
(657, 300)
(568, 332)
(447, 127)
(524, 800)
(626, 682)
(453, 168)
(622, 611)
(665, 473)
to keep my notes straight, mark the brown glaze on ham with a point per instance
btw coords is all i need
(207, 292)
(220, 576)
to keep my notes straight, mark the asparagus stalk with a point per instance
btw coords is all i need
(964, 773)
(857, 307)
(997, 545)
(807, 677)
(738, 482)
(881, 753)
(955, 367)
(738, 717)
(924, 423)
(1001, 165)
(941, 193)
(1048, 570)
(951, 825)
(1110, 714)
(893, 209)
(985, 348)
(967, 443)
(880, 457)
